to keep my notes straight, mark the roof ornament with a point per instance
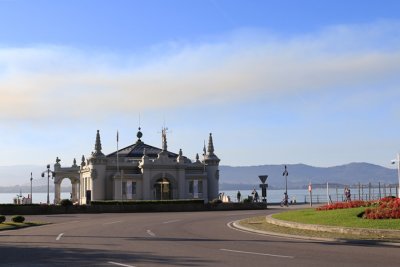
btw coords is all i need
(97, 146)
(164, 138)
(57, 165)
(83, 161)
(180, 158)
(139, 135)
(144, 157)
(74, 163)
(210, 148)
(197, 157)
(210, 157)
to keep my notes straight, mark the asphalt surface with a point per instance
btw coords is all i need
(174, 239)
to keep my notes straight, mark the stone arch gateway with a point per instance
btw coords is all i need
(71, 173)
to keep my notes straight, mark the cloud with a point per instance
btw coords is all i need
(42, 82)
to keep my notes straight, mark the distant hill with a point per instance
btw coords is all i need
(21, 174)
(300, 175)
(232, 178)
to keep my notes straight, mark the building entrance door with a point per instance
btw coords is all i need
(162, 189)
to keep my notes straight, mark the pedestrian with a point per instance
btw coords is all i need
(347, 194)
(238, 196)
(256, 196)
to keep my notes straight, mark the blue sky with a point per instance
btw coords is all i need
(312, 82)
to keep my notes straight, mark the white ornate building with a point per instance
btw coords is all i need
(141, 172)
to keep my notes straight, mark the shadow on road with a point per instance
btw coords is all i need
(31, 256)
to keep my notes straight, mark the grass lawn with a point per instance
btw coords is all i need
(339, 217)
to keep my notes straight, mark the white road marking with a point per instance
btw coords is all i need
(248, 213)
(151, 233)
(120, 264)
(112, 222)
(256, 253)
(59, 236)
(172, 221)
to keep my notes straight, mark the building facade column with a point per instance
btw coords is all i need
(57, 193)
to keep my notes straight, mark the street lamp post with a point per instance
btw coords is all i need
(285, 173)
(397, 160)
(31, 189)
(48, 181)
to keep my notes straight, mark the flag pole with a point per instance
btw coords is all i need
(118, 164)
(204, 156)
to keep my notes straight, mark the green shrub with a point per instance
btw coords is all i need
(18, 219)
(2, 218)
(66, 202)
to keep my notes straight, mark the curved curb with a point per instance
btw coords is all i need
(235, 225)
(333, 229)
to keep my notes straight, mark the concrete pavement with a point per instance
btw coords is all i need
(173, 239)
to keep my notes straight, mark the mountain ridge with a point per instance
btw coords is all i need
(299, 174)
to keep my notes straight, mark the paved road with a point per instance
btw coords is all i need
(174, 239)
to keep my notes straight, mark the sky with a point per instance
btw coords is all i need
(275, 82)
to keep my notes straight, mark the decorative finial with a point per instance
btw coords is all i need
(97, 146)
(83, 163)
(180, 152)
(139, 135)
(210, 148)
(164, 138)
(58, 160)
(197, 157)
(74, 161)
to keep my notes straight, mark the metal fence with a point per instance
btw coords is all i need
(365, 192)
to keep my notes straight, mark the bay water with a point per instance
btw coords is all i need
(319, 195)
(273, 196)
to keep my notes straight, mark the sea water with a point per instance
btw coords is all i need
(319, 195)
(37, 198)
(273, 196)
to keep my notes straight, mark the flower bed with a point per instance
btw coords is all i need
(385, 208)
(346, 205)
(388, 208)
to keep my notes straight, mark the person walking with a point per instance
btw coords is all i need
(347, 194)
(256, 196)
